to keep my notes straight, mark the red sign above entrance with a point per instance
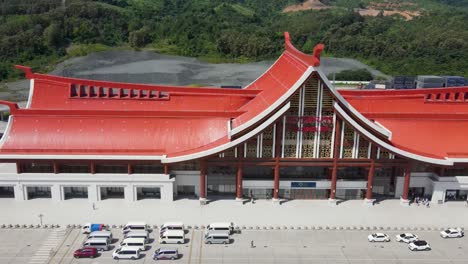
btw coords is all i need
(310, 123)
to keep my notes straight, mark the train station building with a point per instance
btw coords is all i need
(290, 134)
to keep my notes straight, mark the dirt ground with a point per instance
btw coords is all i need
(309, 4)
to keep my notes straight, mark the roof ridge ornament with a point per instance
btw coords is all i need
(311, 60)
(27, 71)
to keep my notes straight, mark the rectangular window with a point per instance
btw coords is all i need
(148, 168)
(111, 168)
(74, 168)
(35, 167)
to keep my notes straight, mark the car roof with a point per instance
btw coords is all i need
(100, 232)
(166, 249)
(173, 232)
(96, 240)
(137, 232)
(129, 247)
(136, 223)
(173, 224)
(454, 229)
(380, 234)
(221, 224)
(134, 239)
(420, 242)
(88, 248)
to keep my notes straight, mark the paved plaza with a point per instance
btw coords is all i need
(388, 213)
(270, 246)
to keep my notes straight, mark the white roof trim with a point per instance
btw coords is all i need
(387, 146)
(7, 131)
(462, 160)
(31, 91)
(386, 129)
(349, 106)
(237, 141)
(275, 105)
(76, 157)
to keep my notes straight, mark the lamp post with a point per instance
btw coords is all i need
(40, 217)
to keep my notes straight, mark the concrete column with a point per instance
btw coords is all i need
(129, 193)
(203, 172)
(19, 190)
(239, 182)
(93, 194)
(167, 194)
(336, 155)
(56, 192)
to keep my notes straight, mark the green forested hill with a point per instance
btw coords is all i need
(42, 32)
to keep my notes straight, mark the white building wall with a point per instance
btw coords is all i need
(57, 182)
(433, 184)
(268, 184)
(190, 178)
(418, 179)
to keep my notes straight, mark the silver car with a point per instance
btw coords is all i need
(166, 253)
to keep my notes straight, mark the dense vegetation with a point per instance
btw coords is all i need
(42, 32)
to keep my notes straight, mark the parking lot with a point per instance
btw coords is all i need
(270, 246)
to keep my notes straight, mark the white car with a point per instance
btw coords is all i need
(378, 237)
(452, 232)
(126, 253)
(406, 237)
(419, 245)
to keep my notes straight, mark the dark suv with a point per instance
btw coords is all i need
(85, 253)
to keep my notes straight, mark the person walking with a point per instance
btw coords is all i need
(94, 206)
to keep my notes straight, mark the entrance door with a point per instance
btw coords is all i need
(456, 195)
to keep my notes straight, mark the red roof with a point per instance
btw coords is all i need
(68, 117)
(428, 122)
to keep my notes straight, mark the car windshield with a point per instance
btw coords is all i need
(157, 251)
(374, 235)
(118, 250)
(402, 235)
(420, 243)
(447, 231)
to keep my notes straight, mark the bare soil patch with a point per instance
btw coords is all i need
(310, 4)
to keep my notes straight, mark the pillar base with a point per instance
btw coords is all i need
(332, 201)
(404, 202)
(203, 201)
(369, 202)
(240, 199)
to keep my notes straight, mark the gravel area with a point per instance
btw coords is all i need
(152, 68)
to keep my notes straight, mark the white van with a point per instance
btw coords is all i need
(138, 234)
(134, 242)
(126, 253)
(220, 227)
(217, 238)
(172, 237)
(171, 226)
(131, 226)
(98, 243)
(101, 234)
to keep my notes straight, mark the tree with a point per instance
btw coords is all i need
(53, 36)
